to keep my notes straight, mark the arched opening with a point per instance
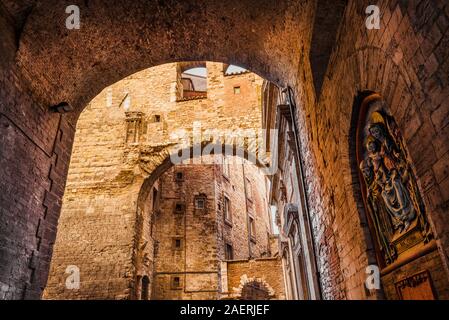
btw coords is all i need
(49, 73)
(145, 292)
(193, 81)
(204, 224)
(396, 214)
(176, 190)
(255, 290)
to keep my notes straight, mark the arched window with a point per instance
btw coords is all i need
(255, 290)
(193, 80)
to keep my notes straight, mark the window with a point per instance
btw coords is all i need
(294, 235)
(133, 127)
(157, 118)
(233, 70)
(177, 243)
(252, 229)
(179, 207)
(193, 82)
(154, 199)
(237, 90)
(268, 243)
(200, 203)
(179, 176)
(227, 210)
(255, 290)
(225, 167)
(249, 189)
(176, 283)
(229, 252)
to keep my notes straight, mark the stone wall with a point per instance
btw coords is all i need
(195, 261)
(267, 271)
(35, 147)
(42, 64)
(203, 233)
(404, 61)
(119, 143)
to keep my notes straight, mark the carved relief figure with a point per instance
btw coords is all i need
(392, 197)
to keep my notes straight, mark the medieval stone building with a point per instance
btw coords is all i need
(216, 232)
(346, 121)
(199, 223)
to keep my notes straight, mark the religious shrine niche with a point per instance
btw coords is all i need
(395, 208)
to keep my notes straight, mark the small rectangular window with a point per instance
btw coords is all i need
(176, 283)
(227, 210)
(155, 199)
(229, 252)
(179, 176)
(249, 189)
(179, 207)
(177, 243)
(200, 203)
(237, 90)
(252, 228)
(225, 167)
(157, 118)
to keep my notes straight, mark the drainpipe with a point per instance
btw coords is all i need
(305, 206)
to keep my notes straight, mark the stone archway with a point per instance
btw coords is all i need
(148, 214)
(135, 148)
(252, 288)
(48, 65)
(45, 65)
(118, 39)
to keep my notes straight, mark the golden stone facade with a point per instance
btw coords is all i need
(119, 222)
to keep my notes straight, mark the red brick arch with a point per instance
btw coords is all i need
(46, 65)
(119, 38)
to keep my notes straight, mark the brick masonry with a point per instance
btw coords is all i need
(405, 61)
(240, 273)
(113, 157)
(204, 233)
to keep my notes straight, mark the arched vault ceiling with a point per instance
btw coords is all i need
(118, 38)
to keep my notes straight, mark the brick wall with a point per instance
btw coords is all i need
(404, 61)
(35, 149)
(266, 271)
(204, 233)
